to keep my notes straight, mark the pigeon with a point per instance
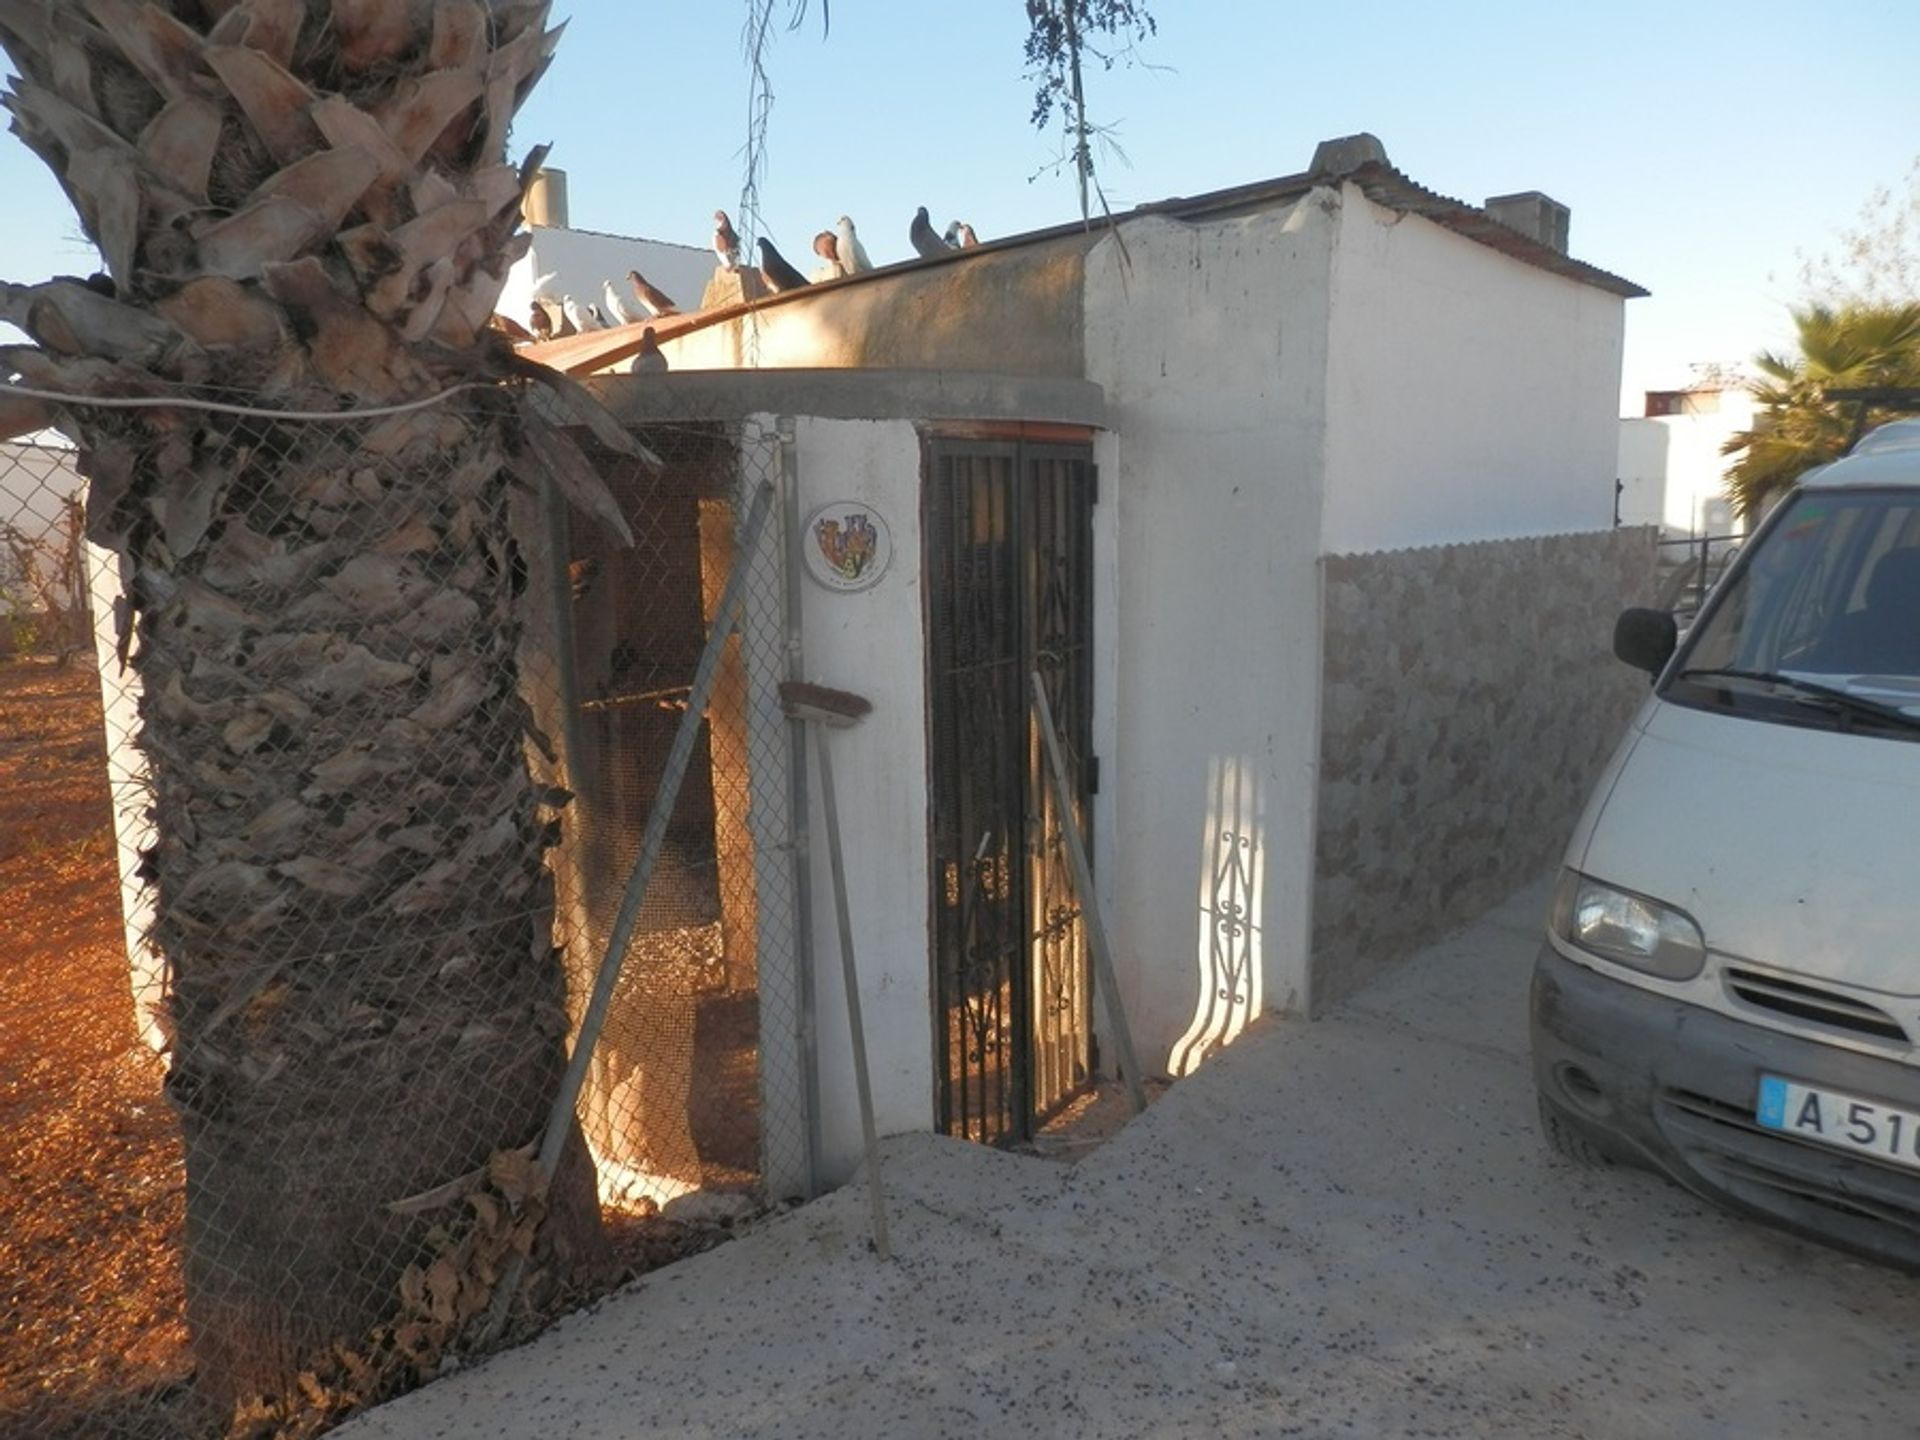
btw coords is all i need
(539, 322)
(925, 242)
(952, 235)
(558, 325)
(580, 575)
(620, 311)
(852, 254)
(656, 300)
(649, 358)
(826, 246)
(581, 317)
(960, 236)
(543, 286)
(726, 244)
(775, 270)
(511, 328)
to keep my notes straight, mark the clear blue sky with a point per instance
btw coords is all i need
(1699, 145)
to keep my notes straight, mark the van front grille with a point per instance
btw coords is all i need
(1868, 1203)
(1812, 1002)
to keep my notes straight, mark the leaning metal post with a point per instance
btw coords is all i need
(809, 1036)
(1089, 902)
(559, 1119)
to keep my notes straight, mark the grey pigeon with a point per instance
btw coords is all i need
(925, 240)
(775, 270)
(649, 358)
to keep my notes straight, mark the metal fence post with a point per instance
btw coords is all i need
(560, 1118)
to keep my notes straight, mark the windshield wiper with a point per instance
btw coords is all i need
(1844, 700)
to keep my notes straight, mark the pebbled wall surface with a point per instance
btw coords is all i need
(1470, 699)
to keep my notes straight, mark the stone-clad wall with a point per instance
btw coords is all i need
(1471, 698)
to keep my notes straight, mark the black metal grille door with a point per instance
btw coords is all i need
(1009, 567)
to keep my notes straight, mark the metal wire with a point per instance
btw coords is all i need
(322, 1009)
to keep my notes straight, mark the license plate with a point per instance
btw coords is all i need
(1846, 1122)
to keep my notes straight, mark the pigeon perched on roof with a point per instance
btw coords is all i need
(558, 325)
(852, 254)
(726, 244)
(826, 246)
(539, 322)
(656, 300)
(960, 236)
(510, 328)
(582, 317)
(775, 270)
(925, 242)
(619, 310)
(649, 359)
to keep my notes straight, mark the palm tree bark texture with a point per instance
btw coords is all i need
(305, 206)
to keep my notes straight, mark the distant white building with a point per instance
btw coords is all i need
(1672, 472)
(581, 262)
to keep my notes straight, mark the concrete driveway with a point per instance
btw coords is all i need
(1345, 1228)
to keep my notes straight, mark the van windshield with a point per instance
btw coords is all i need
(1819, 623)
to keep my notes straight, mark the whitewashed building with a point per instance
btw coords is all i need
(1301, 497)
(1673, 473)
(562, 261)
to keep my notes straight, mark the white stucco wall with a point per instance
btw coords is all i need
(584, 260)
(36, 479)
(1674, 471)
(1642, 472)
(871, 643)
(1469, 397)
(1210, 341)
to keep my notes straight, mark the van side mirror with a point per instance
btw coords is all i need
(1646, 639)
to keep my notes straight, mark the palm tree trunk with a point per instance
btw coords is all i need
(305, 207)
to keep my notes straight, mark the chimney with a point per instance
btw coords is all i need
(1342, 156)
(547, 199)
(1536, 216)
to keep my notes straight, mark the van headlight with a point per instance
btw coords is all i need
(1632, 930)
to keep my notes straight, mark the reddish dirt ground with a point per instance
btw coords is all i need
(92, 1343)
(90, 1177)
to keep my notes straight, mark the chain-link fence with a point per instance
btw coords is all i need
(307, 877)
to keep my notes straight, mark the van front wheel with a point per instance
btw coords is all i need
(1566, 1141)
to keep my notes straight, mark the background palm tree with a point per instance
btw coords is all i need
(1798, 427)
(304, 205)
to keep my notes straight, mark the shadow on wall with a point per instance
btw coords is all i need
(1231, 909)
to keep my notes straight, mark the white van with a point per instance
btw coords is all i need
(1729, 990)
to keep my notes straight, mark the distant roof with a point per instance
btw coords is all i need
(1378, 181)
(610, 235)
(1386, 186)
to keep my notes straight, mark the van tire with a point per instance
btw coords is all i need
(1565, 1140)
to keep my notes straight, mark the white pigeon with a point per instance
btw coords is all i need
(618, 309)
(582, 317)
(543, 288)
(852, 254)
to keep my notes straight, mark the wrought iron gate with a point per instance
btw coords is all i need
(1010, 591)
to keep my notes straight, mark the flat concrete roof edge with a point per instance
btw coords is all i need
(848, 394)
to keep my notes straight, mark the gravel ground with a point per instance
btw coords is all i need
(1347, 1228)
